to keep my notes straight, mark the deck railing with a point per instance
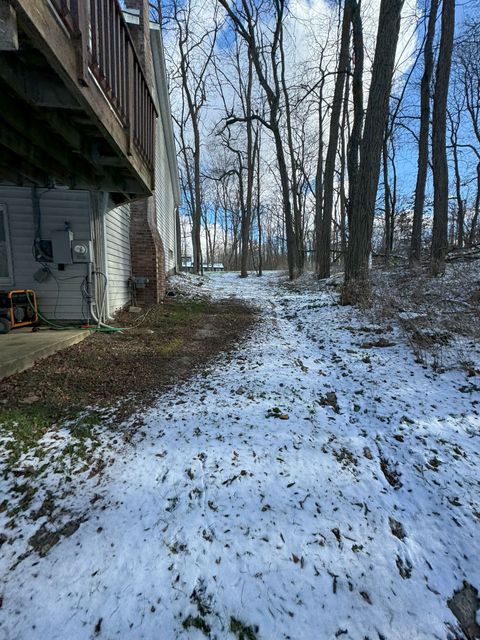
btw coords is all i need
(105, 48)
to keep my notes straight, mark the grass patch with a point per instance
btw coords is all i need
(84, 427)
(196, 622)
(242, 631)
(171, 346)
(123, 371)
(26, 457)
(26, 494)
(22, 429)
(179, 313)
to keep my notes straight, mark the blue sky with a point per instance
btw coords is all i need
(407, 149)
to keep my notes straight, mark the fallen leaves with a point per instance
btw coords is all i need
(330, 400)
(396, 528)
(367, 453)
(391, 474)
(275, 412)
(380, 343)
(298, 560)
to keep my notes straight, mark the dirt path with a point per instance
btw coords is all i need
(309, 485)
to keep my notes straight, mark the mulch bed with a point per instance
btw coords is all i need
(129, 369)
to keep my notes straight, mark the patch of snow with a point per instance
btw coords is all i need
(304, 485)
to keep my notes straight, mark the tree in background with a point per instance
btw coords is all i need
(439, 142)
(309, 195)
(423, 141)
(190, 71)
(325, 232)
(269, 63)
(356, 268)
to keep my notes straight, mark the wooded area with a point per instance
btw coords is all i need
(218, 455)
(324, 138)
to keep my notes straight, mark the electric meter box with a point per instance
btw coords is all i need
(62, 246)
(82, 251)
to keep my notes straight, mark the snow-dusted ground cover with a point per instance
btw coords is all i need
(310, 485)
(440, 315)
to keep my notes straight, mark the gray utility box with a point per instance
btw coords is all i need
(62, 246)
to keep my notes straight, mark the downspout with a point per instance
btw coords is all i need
(105, 254)
(98, 290)
(91, 301)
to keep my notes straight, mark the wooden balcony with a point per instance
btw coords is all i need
(75, 105)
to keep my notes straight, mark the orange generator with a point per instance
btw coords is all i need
(18, 308)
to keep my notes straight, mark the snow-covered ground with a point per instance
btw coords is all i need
(310, 485)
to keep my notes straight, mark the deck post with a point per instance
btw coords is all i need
(8, 27)
(81, 41)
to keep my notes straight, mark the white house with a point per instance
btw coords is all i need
(88, 251)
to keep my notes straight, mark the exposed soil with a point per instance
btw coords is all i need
(128, 369)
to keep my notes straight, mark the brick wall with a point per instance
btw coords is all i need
(148, 256)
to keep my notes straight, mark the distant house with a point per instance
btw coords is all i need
(88, 175)
(216, 266)
(187, 265)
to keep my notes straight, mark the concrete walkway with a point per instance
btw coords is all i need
(22, 348)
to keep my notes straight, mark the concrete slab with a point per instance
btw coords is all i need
(22, 348)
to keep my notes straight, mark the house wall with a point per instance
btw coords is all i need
(167, 188)
(164, 200)
(119, 265)
(60, 297)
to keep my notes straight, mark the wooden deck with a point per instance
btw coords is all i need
(75, 105)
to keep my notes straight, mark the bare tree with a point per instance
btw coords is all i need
(195, 56)
(357, 92)
(356, 268)
(244, 18)
(439, 149)
(423, 142)
(468, 71)
(454, 121)
(325, 235)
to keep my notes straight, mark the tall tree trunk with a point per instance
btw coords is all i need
(439, 131)
(460, 206)
(259, 217)
(473, 228)
(297, 221)
(319, 179)
(178, 241)
(388, 215)
(324, 246)
(197, 208)
(343, 154)
(247, 217)
(356, 271)
(458, 181)
(357, 92)
(292, 258)
(423, 142)
(393, 197)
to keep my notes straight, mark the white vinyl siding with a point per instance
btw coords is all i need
(59, 297)
(117, 230)
(164, 200)
(6, 269)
